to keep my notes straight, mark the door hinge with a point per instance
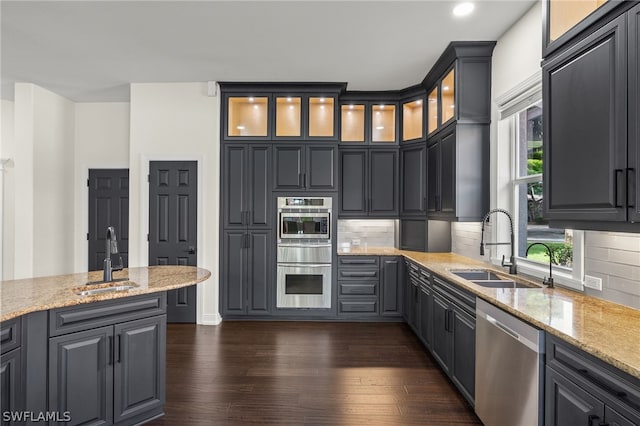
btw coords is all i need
(88, 183)
(148, 237)
(87, 236)
(148, 178)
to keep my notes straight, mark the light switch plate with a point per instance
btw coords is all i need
(593, 282)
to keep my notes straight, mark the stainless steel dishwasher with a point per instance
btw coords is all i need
(509, 369)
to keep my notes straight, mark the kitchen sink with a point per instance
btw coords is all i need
(104, 288)
(489, 279)
(500, 284)
(479, 274)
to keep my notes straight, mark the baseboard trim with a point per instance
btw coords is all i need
(210, 319)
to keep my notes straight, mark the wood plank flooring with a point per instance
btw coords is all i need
(306, 373)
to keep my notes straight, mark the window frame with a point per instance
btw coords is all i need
(518, 99)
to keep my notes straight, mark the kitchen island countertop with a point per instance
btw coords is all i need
(20, 297)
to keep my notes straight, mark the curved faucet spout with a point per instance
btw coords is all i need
(546, 281)
(512, 261)
(111, 248)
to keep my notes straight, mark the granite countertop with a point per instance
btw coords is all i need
(604, 329)
(19, 297)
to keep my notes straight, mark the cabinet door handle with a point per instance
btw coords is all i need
(118, 347)
(110, 349)
(304, 180)
(446, 320)
(591, 419)
(424, 203)
(631, 186)
(617, 186)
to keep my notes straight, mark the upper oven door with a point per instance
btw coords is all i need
(304, 225)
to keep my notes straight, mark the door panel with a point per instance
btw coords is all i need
(139, 354)
(234, 187)
(568, 405)
(108, 206)
(433, 177)
(321, 168)
(448, 173)
(259, 206)
(288, 167)
(464, 353)
(234, 272)
(10, 383)
(414, 180)
(173, 189)
(384, 182)
(81, 376)
(260, 271)
(634, 114)
(353, 181)
(441, 336)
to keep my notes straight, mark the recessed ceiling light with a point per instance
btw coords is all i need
(251, 99)
(289, 99)
(463, 9)
(445, 88)
(321, 99)
(381, 106)
(350, 106)
(419, 102)
(379, 127)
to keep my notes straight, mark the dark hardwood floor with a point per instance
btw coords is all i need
(295, 373)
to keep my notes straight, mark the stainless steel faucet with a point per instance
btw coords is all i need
(546, 281)
(111, 248)
(512, 261)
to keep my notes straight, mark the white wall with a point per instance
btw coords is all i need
(42, 182)
(101, 142)
(614, 257)
(177, 121)
(7, 190)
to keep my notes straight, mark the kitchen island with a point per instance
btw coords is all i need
(97, 357)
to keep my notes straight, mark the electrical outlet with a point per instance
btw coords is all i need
(593, 282)
(355, 242)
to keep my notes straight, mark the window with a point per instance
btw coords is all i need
(522, 116)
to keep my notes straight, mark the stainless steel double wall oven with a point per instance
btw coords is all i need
(304, 252)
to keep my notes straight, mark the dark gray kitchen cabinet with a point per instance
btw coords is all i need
(247, 186)
(359, 286)
(81, 375)
(305, 167)
(412, 297)
(109, 374)
(11, 396)
(369, 182)
(585, 116)
(426, 313)
(582, 389)
(454, 336)
(413, 180)
(458, 173)
(634, 113)
(139, 367)
(392, 291)
(247, 272)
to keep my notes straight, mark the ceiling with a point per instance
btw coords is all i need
(89, 51)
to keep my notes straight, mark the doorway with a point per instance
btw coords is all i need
(173, 189)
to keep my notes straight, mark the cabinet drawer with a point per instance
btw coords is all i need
(614, 383)
(358, 306)
(359, 274)
(364, 288)
(373, 261)
(10, 334)
(92, 315)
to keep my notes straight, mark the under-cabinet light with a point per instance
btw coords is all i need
(251, 99)
(379, 127)
(289, 99)
(419, 102)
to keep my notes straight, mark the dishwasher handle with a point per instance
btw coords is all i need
(503, 327)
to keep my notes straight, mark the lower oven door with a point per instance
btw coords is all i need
(304, 286)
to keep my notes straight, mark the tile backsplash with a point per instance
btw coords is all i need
(372, 232)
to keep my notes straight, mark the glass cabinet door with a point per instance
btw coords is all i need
(247, 116)
(288, 113)
(564, 15)
(321, 115)
(448, 96)
(412, 120)
(383, 123)
(352, 123)
(432, 110)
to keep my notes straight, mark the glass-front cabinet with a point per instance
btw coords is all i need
(433, 110)
(383, 123)
(248, 116)
(565, 19)
(288, 116)
(413, 120)
(321, 117)
(442, 102)
(352, 123)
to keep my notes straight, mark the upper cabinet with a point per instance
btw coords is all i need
(414, 114)
(459, 86)
(270, 111)
(367, 121)
(564, 20)
(590, 107)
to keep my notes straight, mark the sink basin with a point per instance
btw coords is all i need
(93, 290)
(500, 284)
(479, 274)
